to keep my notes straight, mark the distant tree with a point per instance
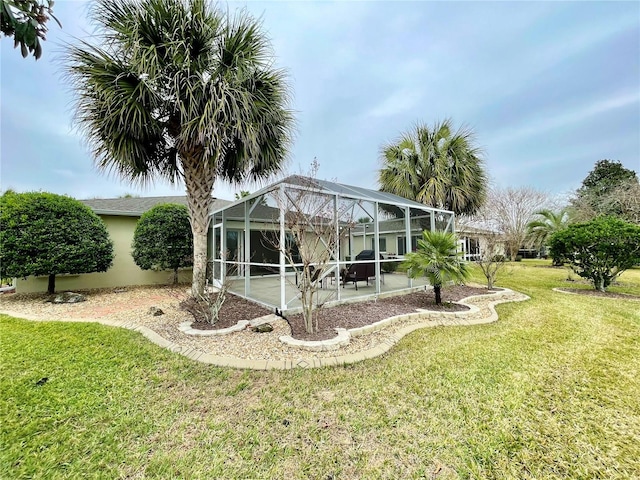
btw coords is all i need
(439, 166)
(624, 202)
(511, 210)
(48, 234)
(26, 21)
(163, 240)
(599, 250)
(245, 193)
(609, 189)
(605, 177)
(544, 225)
(183, 91)
(437, 259)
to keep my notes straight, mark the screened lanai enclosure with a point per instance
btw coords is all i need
(301, 234)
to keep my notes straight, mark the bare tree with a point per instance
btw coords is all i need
(511, 210)
(315, 224)
(626, 202)
(205, 308)
(609, 189)
(622, 201)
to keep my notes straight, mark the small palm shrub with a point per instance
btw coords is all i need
(438, 259)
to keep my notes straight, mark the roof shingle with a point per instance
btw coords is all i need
(136, 206)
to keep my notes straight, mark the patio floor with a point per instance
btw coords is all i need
(266, 289)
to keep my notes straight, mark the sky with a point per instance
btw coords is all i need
(549, 88)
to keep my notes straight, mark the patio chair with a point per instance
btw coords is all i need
(359, 272)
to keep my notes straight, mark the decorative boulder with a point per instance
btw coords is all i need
(68, 297)
(263, 328)
(155, 311)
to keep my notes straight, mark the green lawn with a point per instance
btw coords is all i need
(549, 391)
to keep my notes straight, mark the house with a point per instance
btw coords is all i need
(337, 222)
(120, 216)
(478, 239)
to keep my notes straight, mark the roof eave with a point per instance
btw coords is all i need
(116, 213)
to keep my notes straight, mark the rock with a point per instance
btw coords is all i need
(155, 311)
(67, 297)
(263, 328)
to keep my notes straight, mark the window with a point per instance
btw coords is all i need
(401, 244)
(381, 241)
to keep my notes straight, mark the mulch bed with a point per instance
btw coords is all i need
(352, 315)
(233, 310)
(597, 293)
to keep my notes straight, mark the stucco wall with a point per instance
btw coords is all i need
(123, 272)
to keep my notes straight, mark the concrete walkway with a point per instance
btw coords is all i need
(482, 312)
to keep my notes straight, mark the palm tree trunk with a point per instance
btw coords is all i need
(198, 179)
(437, 290)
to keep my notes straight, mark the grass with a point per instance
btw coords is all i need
(549, 391)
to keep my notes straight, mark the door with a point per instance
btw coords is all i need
(235, 252)
(217, 255)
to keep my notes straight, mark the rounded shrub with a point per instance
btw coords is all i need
(44, 234)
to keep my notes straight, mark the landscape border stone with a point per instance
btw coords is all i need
(431, 319)
(186, 327)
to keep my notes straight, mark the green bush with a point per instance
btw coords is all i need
(518, 258)
(163, 239)
(47, 234)
(389, 267)
(598, 250)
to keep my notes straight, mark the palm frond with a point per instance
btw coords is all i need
(437, 258)
(177, 78)
(436, 166)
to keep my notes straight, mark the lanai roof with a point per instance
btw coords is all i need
(335, 188)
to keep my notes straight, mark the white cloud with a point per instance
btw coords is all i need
(536, 127)
(66, 173)
(398, 102)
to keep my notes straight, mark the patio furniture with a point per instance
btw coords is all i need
(360, 272)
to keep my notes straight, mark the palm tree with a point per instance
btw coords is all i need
(180, 91)
(437, 258)
(540, 230)
(437, 167)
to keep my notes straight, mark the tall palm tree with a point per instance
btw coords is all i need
(438, 259)
(178, 90)
(436, 166)
(548, 222)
